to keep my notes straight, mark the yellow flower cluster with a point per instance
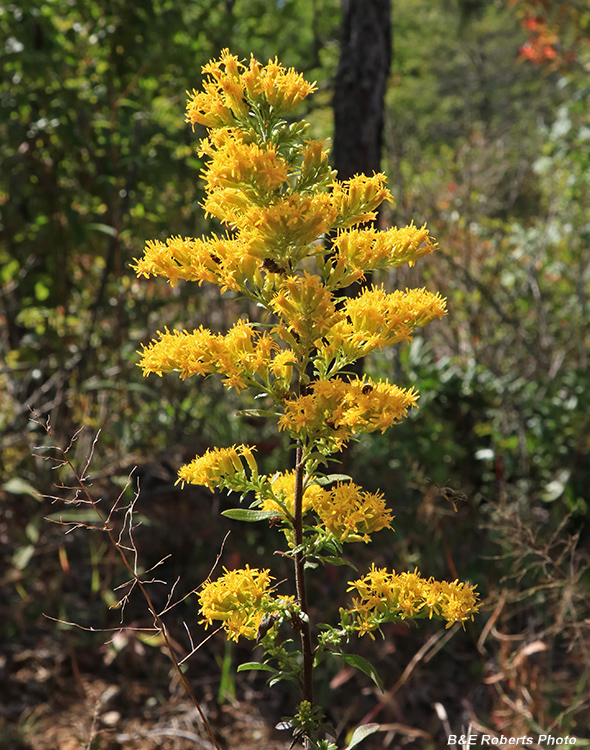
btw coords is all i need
(218, 466)
(275, 191)
(387, 597)
(348, 512)
(279, 200)
(240, 599)
(307, 308)
(240, 356)
(223, 261)
(351, 514)
(375, 319)
(357, 199)
(235, 164)
(339, 409)
(230, 89)
(360, 250)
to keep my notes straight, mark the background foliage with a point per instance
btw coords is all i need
(491, 150)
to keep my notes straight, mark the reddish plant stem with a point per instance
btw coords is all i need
(305, 630)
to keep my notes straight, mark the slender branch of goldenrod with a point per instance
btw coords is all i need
(300, 579)
(278, 196)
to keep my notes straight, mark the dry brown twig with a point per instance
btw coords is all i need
(125, 545)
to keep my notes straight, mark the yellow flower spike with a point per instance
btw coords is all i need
(283, 89)
(295, 220)
(217, 260)
(387, 597)
(339, 409)
(239, 355)
(308, 303)
(375, 319)
(208, 108)
(301, 416)
(364, 249)
(216, 465)
(228, 83)
(186, 353)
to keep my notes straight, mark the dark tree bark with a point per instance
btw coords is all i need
(361, 79)
(359, 94)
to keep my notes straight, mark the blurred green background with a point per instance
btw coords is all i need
(493, 152)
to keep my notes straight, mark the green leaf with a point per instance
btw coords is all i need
(41, 291)
(18, 486)
(250, 516)
(282, 676)
(104, 228)
(256, 413)
(257, 665)
(365, 666)
(9, 270)
(329, 478)
(360, 733)
(22, 556)
(75, 515)
(338, 561)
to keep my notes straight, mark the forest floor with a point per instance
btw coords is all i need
(55, 698)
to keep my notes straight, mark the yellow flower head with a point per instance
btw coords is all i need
(245, 166)
(239, 599)
(282, 366)
(307, 305)
(351, 514)
(283, 89)
(224, 261)
(359, 250)
(293, 221)
(375, 319)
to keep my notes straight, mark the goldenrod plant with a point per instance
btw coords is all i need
(279, 200)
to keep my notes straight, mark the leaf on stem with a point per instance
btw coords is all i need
(360, 733)
(250, 516)
(330, 478)
(255, 665)
(365, 666)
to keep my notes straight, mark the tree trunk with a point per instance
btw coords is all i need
(359, 95)
(365, 59)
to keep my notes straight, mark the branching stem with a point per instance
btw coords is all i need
(132, 570)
